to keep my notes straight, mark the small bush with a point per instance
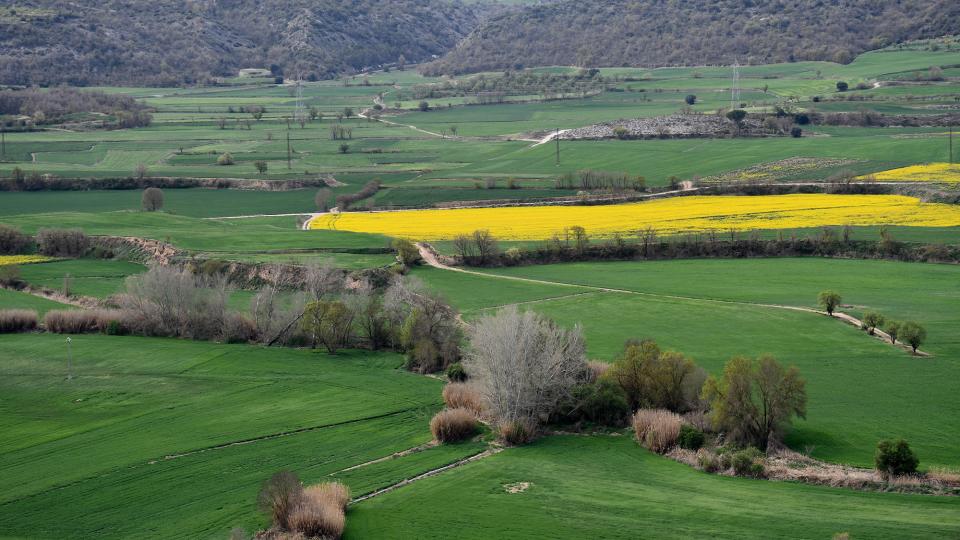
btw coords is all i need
(335, 494)
(456, 373)
(657, 429)
(895, 457)
(453, 425)
(279, 496)
(238, 328)
(517, 432)
(62, 242)
(17, 320)
(597, 369)
(690, 437)
(317, 521)
(12, 241)
(748, 462)
(463, 396)
(225, 159)
(708, 461)
(602, 402)
(84, 321)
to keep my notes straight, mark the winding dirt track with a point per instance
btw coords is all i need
(434, 259)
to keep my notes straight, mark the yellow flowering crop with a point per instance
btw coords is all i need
(23, 259)
(927, 172)
(678, 214)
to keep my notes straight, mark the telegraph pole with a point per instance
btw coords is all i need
(951, 144)
(3, 143)
(288, 146)
(69, 360)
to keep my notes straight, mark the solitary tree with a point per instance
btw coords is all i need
(152, 199)
(407, 253)
(279, 495)
(895, 457)
(872, 320)
(913, 334)
(348, 111)
(453, 130)
(842, 86)
(344, 148)
(261, 166)
(141, 171)
(424, 106)
(828, 300)
(225, 159)
(737, 116)
(753, 402)
(690, 99)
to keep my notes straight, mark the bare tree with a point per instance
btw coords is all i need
(486, 245)
(323, 279)
(464, 247)
(524, 364)
(152, 199)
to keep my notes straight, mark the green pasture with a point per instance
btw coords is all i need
(609, 487)
(87, 277)
(20, 300)
(860, 388)
(172, 439)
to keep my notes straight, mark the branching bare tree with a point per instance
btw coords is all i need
(524, 364)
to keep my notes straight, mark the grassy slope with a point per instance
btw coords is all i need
(21, 300)
(853, 380)
(133, 411)
(88, 277)
(592, 487)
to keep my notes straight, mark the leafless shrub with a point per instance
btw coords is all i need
(62, 242)
(319, 512)
(517, 432)
(523, 364)
(12, 241)
(322, 280)
(657, 429)
(171, 302)
(463, 395)
(452, 425)
(237, 328)
(17, 320)
(276, 315)
(597, 369)
(944, 475)
(82, 321)
(279, 495)
(699, 420)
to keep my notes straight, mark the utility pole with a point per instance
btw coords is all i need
(951, 144)
(69, 360)
(3, 143)
(288, 146)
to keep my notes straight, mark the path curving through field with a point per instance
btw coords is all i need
(432, 258)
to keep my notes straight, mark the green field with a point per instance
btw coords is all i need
(703, 308)
(88, 277)
(185, 432)
(592, 487)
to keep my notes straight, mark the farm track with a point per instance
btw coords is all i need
(432, 258)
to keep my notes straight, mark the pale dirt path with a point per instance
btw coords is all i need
(434, 259)
(549, 138)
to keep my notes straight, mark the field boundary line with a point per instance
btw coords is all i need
(433, 472)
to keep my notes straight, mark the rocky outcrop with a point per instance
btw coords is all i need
(675, 126)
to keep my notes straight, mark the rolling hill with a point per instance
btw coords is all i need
(693, 32)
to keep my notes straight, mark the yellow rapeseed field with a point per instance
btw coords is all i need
(679, 214)
(23, 259)
(927, 172)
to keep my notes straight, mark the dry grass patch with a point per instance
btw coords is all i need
(463, 396)
(597, 369)
(81, 321)
(452, 425)
(517, 432)
(17, 320)
(657, 429)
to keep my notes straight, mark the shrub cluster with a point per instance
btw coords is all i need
(315, 511)
(463, 396)
(62, 242)
(895, 457)
(17, 320)
(345, 201)
(12, 241)
(86, 321)
(453, 425)
(657, 429)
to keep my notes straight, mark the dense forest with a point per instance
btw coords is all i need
(167, 42)
(693, 32)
